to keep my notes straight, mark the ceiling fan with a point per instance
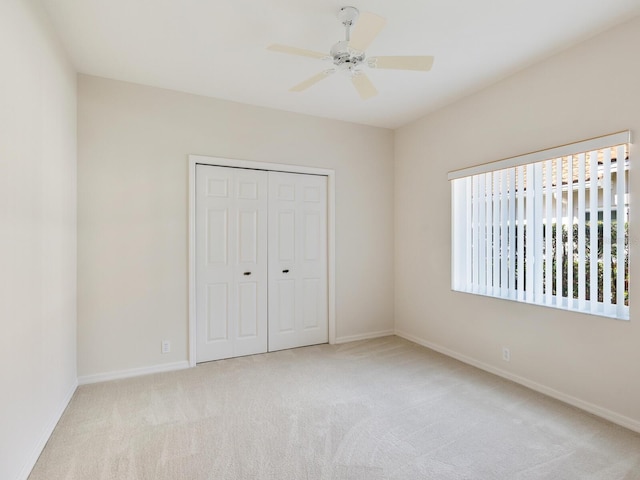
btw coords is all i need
(349, 55)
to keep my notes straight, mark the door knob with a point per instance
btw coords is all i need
(285, 271)
(247, 273)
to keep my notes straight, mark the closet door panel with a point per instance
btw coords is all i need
(298, 309)
(231, 262)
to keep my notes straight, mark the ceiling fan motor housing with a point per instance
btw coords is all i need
(344, 57)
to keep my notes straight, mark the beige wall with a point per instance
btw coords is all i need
(133, 143)
(37, 234)
(589, 90)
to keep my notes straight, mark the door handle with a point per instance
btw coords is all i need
(285, 271)
(247, 273)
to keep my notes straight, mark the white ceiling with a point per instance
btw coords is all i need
(217, 48)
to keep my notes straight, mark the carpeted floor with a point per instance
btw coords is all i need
(370, 410)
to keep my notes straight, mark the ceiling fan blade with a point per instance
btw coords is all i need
(309, 82)
(363, 85)
(366, 29)
(296, 51)
(422, 63)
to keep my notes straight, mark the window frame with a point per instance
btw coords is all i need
(531, 163)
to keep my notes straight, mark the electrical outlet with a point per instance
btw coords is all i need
(166, 346)
(506, 354)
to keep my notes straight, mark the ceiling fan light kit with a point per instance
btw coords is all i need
(349, 56)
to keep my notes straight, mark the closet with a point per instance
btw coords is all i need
(260, 261)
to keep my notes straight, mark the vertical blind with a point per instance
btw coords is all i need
(548, 228)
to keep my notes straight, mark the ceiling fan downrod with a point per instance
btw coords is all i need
(343, 57)
(348, 15)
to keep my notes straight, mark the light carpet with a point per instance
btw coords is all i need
(369, 410)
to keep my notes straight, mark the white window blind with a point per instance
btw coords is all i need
(548, 228)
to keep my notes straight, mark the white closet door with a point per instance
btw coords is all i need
(231, 259)
(298, 310)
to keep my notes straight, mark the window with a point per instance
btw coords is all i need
(522, 228)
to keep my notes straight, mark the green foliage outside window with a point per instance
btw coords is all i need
(550, 257)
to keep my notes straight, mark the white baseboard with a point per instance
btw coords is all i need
(364, 336)
(46, 434)
(132, 372)
(614, 417)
